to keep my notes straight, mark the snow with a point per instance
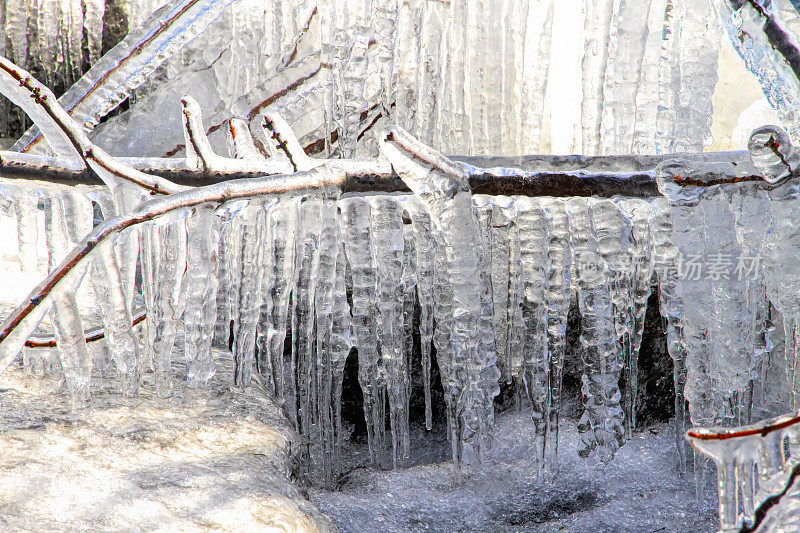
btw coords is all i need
(197, 461)
(639, 490)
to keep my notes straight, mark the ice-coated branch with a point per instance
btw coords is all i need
(778, 37)
(285, 140)
(772, 161)
(18, 84)
(92, 335)
(243, 144)
(199, 154)
(281, 153)
(18, 326)
(738, 452)
(769, 48)
(772, 153)
(118, 73)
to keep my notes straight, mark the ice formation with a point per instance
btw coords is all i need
(303, 261)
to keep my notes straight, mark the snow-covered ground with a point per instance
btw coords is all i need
(212, 460)
(639, 491)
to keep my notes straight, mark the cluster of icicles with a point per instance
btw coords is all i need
(490, 279)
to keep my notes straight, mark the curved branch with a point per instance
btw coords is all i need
(199, 154)
(761, 429)
(18, 326)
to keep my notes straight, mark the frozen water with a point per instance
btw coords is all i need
(291, 284)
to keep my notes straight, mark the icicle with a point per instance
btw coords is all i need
(687, 76)
(385, 19)
(639, 214)
(482, 77)
(348, 32)
(623, 72)
(387, 248)
(409, 289)
(538, 42)
(70, 341)
(230, 271)
(618, 245)
(26, 210)
(165, 306)
(648, 95)
(454, 130)
(93, 28)
(594, 244)
(443, 188)
(514, 15)
(597, 34)
(248, 302)
(17, 14)
(558, 300)
(426, 250)
(738, 454)
(430, 76)
(356, 229)
(116, 314)
(201, 281)
(74, 32)
(718, 322)
(534, 238)
(341, 344)
(327, 360)
(499, 245)
(302, 375)
(665, 265)
(516, 326)
(68, 218)
(278, 282)
(408, 65)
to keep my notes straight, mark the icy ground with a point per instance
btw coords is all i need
(214, 460)
(639, 491)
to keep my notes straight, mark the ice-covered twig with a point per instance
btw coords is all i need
(34, 98)
(414, 149)
(243, 145)
(778, 37)
(92, 335)
(18, 326)
(199, 154)
(772, 153)
(284, 138)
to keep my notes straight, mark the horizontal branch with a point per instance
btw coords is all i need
(761, 429)
(93, 335)
(557, 176)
